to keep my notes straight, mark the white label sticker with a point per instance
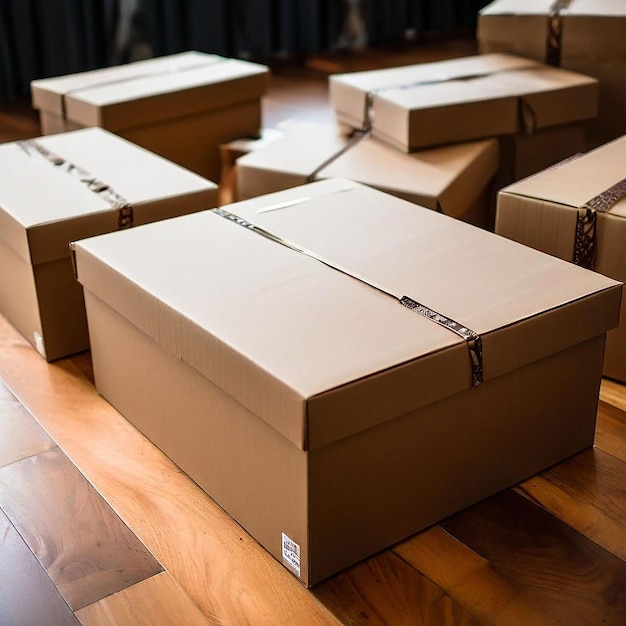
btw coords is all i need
(39, 344)
(291, 554)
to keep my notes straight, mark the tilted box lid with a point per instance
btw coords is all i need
(43, 205)
(447, 178)
(562, 193)
(590, 30)
(143, 92)
(461, 99)
(318, 354)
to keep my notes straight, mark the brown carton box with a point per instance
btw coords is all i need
(543, 212)
(456, 100)
(64, 187)
(586, 36)
(181, 106)
(455, 179)
(293, 385)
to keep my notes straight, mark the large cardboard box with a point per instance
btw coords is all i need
(586, 36)
(60, 188)
(577, 212)
(293, 385)
(455, 179)
(417, 106)
(181, 106)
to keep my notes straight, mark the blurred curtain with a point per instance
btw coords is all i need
(40, 38)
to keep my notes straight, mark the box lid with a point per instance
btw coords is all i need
(592, 30)
(609, 8)
(459, 99)
(147, 91)
(447, 178)
(316, 353)
(580, 179)
(44, 206)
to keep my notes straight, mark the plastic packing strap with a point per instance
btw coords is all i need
(555, 31)
(162, 71)
(527, 118)
(472, 339)
(353, 139)
(585, 237)
(123, 207)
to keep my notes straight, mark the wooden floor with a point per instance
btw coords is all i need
(97, 527)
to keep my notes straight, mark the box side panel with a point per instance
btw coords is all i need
(611, 121)
(193, 141)
(347, 101)
(421, 128)
(384, 484)
(517, 34)
(594, 38)
(62, 309)
(541, 225)
(610, 260)
(51, 123)
(254, 181)
(523, 155)
(248, 468)
(18, 295)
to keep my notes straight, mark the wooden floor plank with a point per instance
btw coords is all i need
(563, 574)
(83, 546)
(156, 600)
(27, 595)
(611, 430)
(613, 392)
(222, 569)
(20, 435)
(587, 492)
(470, 579)
(386, 590)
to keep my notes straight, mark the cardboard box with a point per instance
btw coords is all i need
(181, 106)
(454, 180)
(64, 187)
(327, 418)
(456, 100)
(231, 151)
(585, 36)
(543, 212)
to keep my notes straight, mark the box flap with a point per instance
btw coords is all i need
(553, 96)
(147, 91)
(48, 93)
(316, 353)
(447, 178)
(44, 206)
(575, 182)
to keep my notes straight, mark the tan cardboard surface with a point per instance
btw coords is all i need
(462, 99)
(53, 206)
(44, 206)
(541, 212)
(270, 328)
(146, 91)
(579, 180)
(449, 178)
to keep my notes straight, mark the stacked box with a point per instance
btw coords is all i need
(356, 370)
(586, 36)
(577, 212)
(59, 188)
(454, 180)
(491, 95)
(181, 106)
